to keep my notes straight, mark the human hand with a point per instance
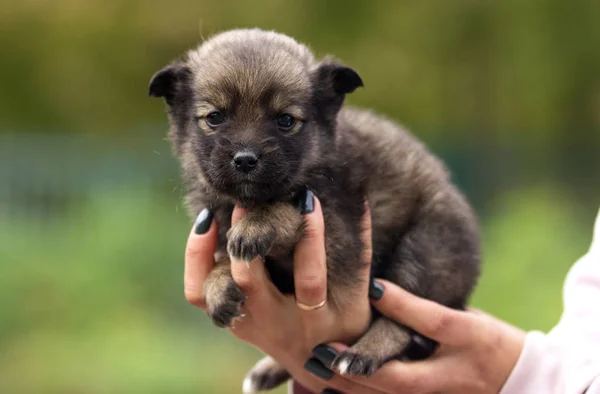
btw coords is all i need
(476, 355)
(273, 322)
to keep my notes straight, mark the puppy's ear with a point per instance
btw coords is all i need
(164, 83)
(332, 81)
(337, 77)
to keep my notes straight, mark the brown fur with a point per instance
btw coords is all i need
(425, 235)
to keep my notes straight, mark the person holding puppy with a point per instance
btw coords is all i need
(478, 353)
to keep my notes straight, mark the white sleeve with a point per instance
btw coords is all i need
(566, 360)
(549, 368)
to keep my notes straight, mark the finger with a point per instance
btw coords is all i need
(237, 214)
(326, 378)
(262, 298)
(310, 270)
(250, 276)
(398, 377)
(297, 388)
(199, 257)
(393, 376)
(253, 279)
(348, 386)
(442, 324)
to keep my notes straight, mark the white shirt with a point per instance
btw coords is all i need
(567, 359)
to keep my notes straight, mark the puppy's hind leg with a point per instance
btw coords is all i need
(385, 340)
(437, 259)
(265, 375)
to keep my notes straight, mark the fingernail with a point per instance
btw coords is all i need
(306, 201)
(330, 391)
(203, 221)
(317, 368)
(325, 354)
(375, 290)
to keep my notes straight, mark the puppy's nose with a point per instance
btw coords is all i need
(245, 161)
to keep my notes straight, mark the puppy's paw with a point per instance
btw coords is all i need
(265, 375)
(420, 348)
(248, 240)
(354, 363)
(224, 304)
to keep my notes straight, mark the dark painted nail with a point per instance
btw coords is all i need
(203, 221)
(375, 290)
(330, 391)
(325, 354)
(317, 368)
(306, 201)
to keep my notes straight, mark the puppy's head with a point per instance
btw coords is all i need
(251, 111)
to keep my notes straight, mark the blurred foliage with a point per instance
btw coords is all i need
(92, 234)
(97, 305)
(514, 68)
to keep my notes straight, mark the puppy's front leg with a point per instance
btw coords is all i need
(267, 230)
(223, 296)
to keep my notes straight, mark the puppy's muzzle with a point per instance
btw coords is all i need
(244, 161)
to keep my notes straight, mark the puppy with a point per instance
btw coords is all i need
(255, 120)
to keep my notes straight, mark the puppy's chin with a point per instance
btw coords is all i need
(259, 187)
(250, 194)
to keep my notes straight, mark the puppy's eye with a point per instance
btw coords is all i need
(285, 122)
(214, 119)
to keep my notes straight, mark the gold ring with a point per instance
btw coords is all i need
(311, 307)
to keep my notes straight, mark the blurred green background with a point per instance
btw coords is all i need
(92, 230)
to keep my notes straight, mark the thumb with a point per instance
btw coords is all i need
(438, 322)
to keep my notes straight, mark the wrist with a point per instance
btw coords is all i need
(511, 346)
